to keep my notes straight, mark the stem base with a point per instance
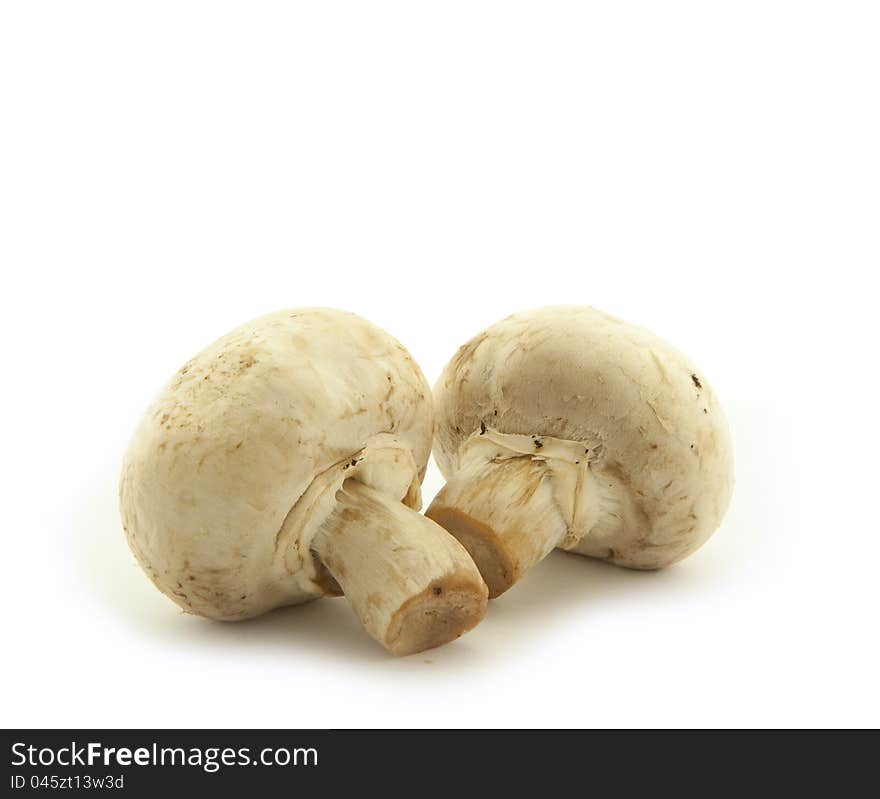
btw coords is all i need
(412, 585)
(505, 515)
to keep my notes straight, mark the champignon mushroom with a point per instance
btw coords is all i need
(283, 464)
(565, 427)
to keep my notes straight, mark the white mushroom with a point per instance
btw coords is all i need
(282, 464)
(565, 427)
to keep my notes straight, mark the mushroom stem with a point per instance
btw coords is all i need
(505, 513)
(411, 584)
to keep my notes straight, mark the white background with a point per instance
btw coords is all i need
(709, 170)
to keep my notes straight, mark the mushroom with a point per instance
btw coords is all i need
(565, 427)
(283, 463)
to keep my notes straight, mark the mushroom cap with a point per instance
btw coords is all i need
(237, 461)
(644, 417)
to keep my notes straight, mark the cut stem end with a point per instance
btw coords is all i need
(445, 610)
(483, 545)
